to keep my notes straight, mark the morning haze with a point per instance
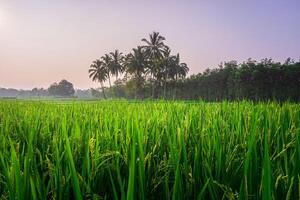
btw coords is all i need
(43, 42)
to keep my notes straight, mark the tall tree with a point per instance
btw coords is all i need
(116, 66)
(155, 49)
(165, 68)
(99, 72)
(136, 64)
(107, 63)
(176, 70)
(63, 88)
(181, 68)
(155, 46)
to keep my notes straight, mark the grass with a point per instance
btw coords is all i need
(149, 150)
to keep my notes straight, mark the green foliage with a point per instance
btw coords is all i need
(63, 88)
(149, 62)
(153, 65)
(252, 80)
(149, 150)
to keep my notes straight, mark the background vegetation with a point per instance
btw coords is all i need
(63, 88)
(252, 80)
(151, 71)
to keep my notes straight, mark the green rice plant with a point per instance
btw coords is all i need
(149, 150)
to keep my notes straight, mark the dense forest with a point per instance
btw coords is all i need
(151, 71)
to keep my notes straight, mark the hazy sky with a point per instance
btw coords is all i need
(44, 41)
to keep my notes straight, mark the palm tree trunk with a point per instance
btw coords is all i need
(175, 87)
(175, 90)
(160, 88)
(153, 86)
(138, 87)
(136, 93)
(109, 81)
(165, 87)
(114, 91)
(109, 85)
(103, 90)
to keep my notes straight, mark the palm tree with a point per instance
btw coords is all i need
(98, 72)
(106, 60)
(116, 66)
(181, 70)
(155, 45)
(165, 69)
(155, 48)
(136, 64)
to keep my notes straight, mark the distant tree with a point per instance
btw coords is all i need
(53, 89)
(66, 88)
(177, 70)
(95, 93)
(136, 63)
(38, 92)
(116, 65)
(99, 72)
(83, 93)
(107, 64)
(181, 68)
(155, 46)
(164, 69)
(119, 88)
(63, 88)
(155, 49)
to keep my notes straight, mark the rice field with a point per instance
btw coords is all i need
(149, 150)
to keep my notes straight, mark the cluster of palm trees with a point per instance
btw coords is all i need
(151, 62)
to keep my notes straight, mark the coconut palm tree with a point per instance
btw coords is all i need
(155, 49)
(107, 60)
(116, 66)
(155, 45)
(136, 64)
(98, 72)
(180, 70)
(165, 69)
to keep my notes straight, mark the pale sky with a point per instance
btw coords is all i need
(42, 42)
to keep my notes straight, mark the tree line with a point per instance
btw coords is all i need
(151, 71)
(253, 80)
(62, 89)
